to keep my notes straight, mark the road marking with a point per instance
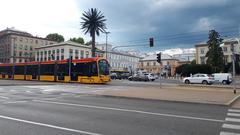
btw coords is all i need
(233, 114)
(228, 133)
(232, 119)
(13, 102)
(4, 97)
(233, 110)
(47, 125)
(130, 110)
(231, 126)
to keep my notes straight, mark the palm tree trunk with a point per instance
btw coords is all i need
(93, 44)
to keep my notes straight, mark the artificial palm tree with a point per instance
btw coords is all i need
(93, 23)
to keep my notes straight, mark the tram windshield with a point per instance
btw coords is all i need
(103, 67)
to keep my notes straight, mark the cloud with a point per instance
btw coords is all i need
(40, 17)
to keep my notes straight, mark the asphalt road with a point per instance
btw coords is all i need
(72, 110)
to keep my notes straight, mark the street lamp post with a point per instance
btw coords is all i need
(233, 64)
(107, 32)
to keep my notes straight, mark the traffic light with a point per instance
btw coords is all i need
(151, 42)
(159, 57)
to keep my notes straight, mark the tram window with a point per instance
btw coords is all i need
(47, 69)
(19, 70)
(9, 70)
(62, 69)
(3, 70)
(86, 69)
(32, 69)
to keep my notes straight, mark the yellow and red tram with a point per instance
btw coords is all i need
(87, 70)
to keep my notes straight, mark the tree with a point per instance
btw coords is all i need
(55, 37)
(215, 53)
(79, 40)
(88, 43)
(187, 69)
(93, 23)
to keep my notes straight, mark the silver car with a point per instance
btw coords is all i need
(199, 78)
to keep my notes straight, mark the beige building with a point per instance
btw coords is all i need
(168, 65)
(202, 49)
(19, 46)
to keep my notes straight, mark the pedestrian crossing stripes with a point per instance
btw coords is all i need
(231, 126)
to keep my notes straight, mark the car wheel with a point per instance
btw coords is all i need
(187, 81)
(224, 82)
(204, 82)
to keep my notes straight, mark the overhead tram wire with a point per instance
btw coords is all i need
(183, 37)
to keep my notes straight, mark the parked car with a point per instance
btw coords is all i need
(199, 78)
(224, 78)
(150, 76)
(138, 77)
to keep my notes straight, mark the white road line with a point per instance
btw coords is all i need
(4, 97)
(228, 133)
(231, 126)
(234, 110)
(47, 125)
(233, 114)
(232, 119)
(130, 110)
(14, 102)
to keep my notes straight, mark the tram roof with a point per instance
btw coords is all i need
(52, 62)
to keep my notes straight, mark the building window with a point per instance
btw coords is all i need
(154, 63)
(62, 51)
(147, 63)
(225, 59)
(70, 52)
(82, 54)
(26, 47)
(76, 54)
(53, 54)
(20, 54)
(202, 60)
(31, 48)
(225, 49)
(62, 57)
(87, 54)
(202, 51)
(49, 55)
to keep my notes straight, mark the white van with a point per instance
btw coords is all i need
(224, 78)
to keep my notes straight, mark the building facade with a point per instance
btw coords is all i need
(167, 67)
(202, 49)
(119, 60)
(19, 46)
(63, 51)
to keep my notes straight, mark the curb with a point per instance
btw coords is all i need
(174, 101)
(233, 100)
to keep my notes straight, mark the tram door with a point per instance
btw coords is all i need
(74, 74)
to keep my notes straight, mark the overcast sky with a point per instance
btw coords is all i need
(172, 23)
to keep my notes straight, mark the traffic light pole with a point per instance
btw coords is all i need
(160, 63)
(160, 82)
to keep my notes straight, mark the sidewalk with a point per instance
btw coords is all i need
(219, 96)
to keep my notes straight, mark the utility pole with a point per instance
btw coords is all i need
(13, 57)
(234, 72)
(107, 32)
